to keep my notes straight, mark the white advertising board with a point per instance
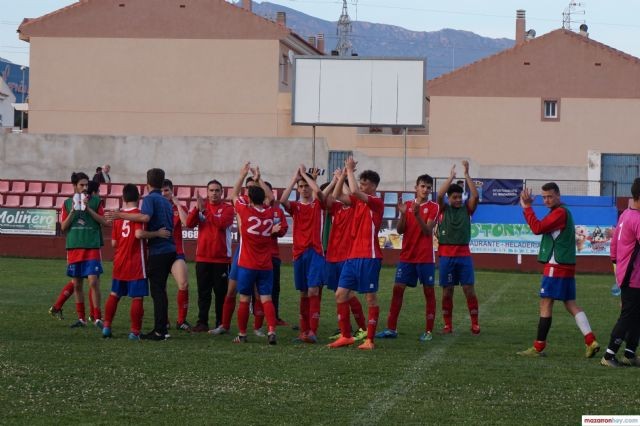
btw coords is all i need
(358, 91)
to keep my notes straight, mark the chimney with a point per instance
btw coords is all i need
(320, 45)
(312, 41)
(281, 18)
(246, 5)
(520, 26)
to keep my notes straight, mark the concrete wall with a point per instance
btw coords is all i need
(196, 160)
(186, 160)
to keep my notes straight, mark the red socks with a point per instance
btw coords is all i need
(183, 305)
(227, 311)
(314, 313)
(344, 320)
(447, 311)
(243, 317)
(589, 338)
(136, 314)
(430, 298)
(356, 309)
(270, 313)
(396, 305)
(110, 309)
(80, 311)
(472, 304)
(539, 345)
(374, 313)
(258, 314)
(304, 314)
(65, 294)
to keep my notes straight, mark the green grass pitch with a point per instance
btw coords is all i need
(50, 373)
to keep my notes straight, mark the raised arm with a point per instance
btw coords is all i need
(237, 187)
(317, 192)
(257, 178)
(338, 190)
(284, 199)
(442, 191)
(472, 202)
(350, 164)
(181, 211)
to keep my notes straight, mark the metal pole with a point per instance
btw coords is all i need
(22, 111)
(404, 166)
(313, 148)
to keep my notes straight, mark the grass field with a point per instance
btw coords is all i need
(50, 373)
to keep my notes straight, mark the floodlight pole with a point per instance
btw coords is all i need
(313, 148)
(22, 68)
(404, 166)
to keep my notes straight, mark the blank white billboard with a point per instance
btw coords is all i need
(355, 91)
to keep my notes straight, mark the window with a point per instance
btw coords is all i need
(550, 110)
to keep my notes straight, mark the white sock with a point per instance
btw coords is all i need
(583, 323)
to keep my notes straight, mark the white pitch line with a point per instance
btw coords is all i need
(385, 400)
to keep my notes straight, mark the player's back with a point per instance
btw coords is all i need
(255, 243)
(130, 254)
(367, 218)
(340, 236)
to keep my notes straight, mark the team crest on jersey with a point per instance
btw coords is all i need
(425, 211)
(219, 211)
(175, 213)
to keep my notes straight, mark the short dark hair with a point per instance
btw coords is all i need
(324, 185)
(551, 186)
(309, 175)
(424, 178)
(130, 193)
(93, 187)
(268, 185)
(98, 169)
(248, 179)
(635, 189)
(78, 176)
(155, 177)
(256, 195)
(454, 188)
(371, 176)
(167, 184)
(215, 182)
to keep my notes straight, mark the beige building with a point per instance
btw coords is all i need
(559, 100)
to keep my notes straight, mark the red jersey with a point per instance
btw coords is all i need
(255, 230)
(307, 226)
(365, 225)
(278, 218)
(417, 247)
(340, 235)
(214, 232)
(555, 221)
(79, 254)
(129, 256)
(177, 229)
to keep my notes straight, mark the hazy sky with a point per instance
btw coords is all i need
(613, 22)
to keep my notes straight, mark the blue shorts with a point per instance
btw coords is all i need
(84, 269)
(262, 279)
(233, 272)
(456, 270)
(134, 288)
(181, 256)
(558, 288)
(332, 274)
(308, 270)
(361, 275)
(409, 273)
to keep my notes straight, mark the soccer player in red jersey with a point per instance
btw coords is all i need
(254, 255)
(339, 244)
(417, 220)
(179, 267)
(82, 218)
(454, 235)
(361, 271)
(129, 277)
(308, 259)
(213, 217)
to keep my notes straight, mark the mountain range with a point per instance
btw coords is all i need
(445, 49)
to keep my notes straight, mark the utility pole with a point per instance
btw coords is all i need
(344, 31)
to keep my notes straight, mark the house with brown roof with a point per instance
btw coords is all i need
(553, 105)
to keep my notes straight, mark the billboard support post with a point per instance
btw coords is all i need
(313, 147)
(404, 165)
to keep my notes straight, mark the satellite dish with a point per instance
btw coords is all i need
(531, 33)
(584, 28)
(292, 56)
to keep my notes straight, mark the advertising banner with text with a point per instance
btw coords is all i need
(28, 221)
